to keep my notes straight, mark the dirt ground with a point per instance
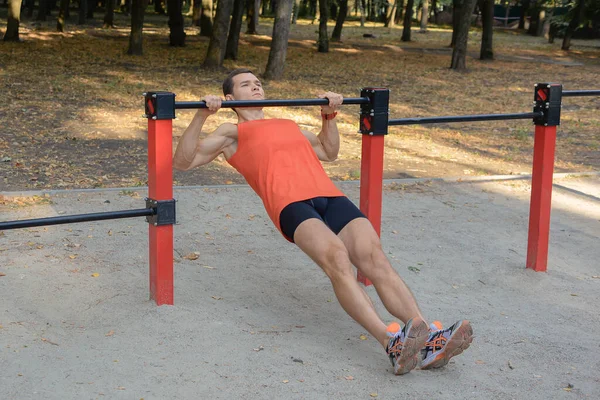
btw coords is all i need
(254, 318)
(71, 114)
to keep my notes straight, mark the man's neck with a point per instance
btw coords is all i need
(249, 114)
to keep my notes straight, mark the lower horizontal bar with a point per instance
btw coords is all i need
(463, 118)
(181, 105)
(576, 93)
(70, 219)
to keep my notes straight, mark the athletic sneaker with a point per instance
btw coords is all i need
(405, 344)
(443, 344)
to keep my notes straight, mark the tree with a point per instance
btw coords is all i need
(456, 9)
(137, 24)
(206, 22)
(83, 5)
(234, 30)
(390, 14)
(459, 53)
(575, 21)
(177, 34)
(296, 10)
(253, 9)
(281, 33)
(487, 11)
(424, 16)
(14, 20)
(42, 7)
(324, 16)
(218, 40)
(109, 15)
(407, 21)
(339, 23)
(62, 12)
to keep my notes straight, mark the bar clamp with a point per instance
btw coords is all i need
(547, 103)
(375, 114)
(159, 105)
(164, 212)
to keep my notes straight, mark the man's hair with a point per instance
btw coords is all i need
(228, 82)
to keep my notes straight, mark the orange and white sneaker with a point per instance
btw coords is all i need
(406, 343)
(443, 344)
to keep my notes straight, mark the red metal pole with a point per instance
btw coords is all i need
(371, 184)
(160, 187)
(541, 197)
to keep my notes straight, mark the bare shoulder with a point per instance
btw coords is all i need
(227, 130)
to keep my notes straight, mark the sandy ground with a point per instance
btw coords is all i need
(255, 319)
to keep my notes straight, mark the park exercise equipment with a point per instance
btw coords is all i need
(374, 123)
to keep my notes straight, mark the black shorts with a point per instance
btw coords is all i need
(335, 212)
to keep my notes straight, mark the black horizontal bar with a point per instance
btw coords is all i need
(462, 118)
(576, 93)
(70, 219)
(181, 105)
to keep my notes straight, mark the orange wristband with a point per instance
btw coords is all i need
(327, 117)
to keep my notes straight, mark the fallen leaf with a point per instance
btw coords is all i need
(217, 297)
(573, 294)
(596, 276)
(229, 182)
(2, 274)
(259, 348)
(109, 233)
(373, 394)
(413, 269)
(208, 267)
(110, 333)
(349, 378)
(192, 256)
(120, 388)
(510, 365)
(363, 337)
(394, 232)
(95, 275)
(73, 256)
(285, 381)
(48, 341)
(480, 362)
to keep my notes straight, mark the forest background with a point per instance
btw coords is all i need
(72, 75)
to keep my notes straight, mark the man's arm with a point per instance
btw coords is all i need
(327, 143)
(191, 152)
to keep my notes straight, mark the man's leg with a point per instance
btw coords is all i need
(328, 251)
(365, 252)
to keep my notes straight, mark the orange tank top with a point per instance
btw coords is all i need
(280, 164)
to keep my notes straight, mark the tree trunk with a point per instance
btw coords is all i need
(109, 16)
(138, 7)
(362, 12)
(253, 9)
(14, 20)
(296, 10)
(339, 23)
(323, 38)
(126, 7)
(281, 32)
(459, 54)
(435, 11)
(390, 14)
(177, 34)
(30, 5)
(577, 17)
(407, 21)
(91, 7)
(487, 20)
(524, 10)
(234, 30)
(206, 21)
(196, 12)
(83, 5)
(218, 41)
(424, 16)
(42, 6)
(399, 12)
(158, 7)
(456, 10)
(62, 12)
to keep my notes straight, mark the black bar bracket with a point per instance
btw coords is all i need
(164, 212)
(159, 105)
(547, 100)
(374, 115)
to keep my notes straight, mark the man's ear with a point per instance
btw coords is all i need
(229, 97)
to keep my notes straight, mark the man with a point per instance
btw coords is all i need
(281, 163)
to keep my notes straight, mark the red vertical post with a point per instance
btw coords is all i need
(374, 117)
(541, 197)
(547, 103)
(160, 187)
(371, 185)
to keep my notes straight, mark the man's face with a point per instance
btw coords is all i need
(246, 86)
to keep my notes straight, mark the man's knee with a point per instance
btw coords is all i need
(336, 261)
